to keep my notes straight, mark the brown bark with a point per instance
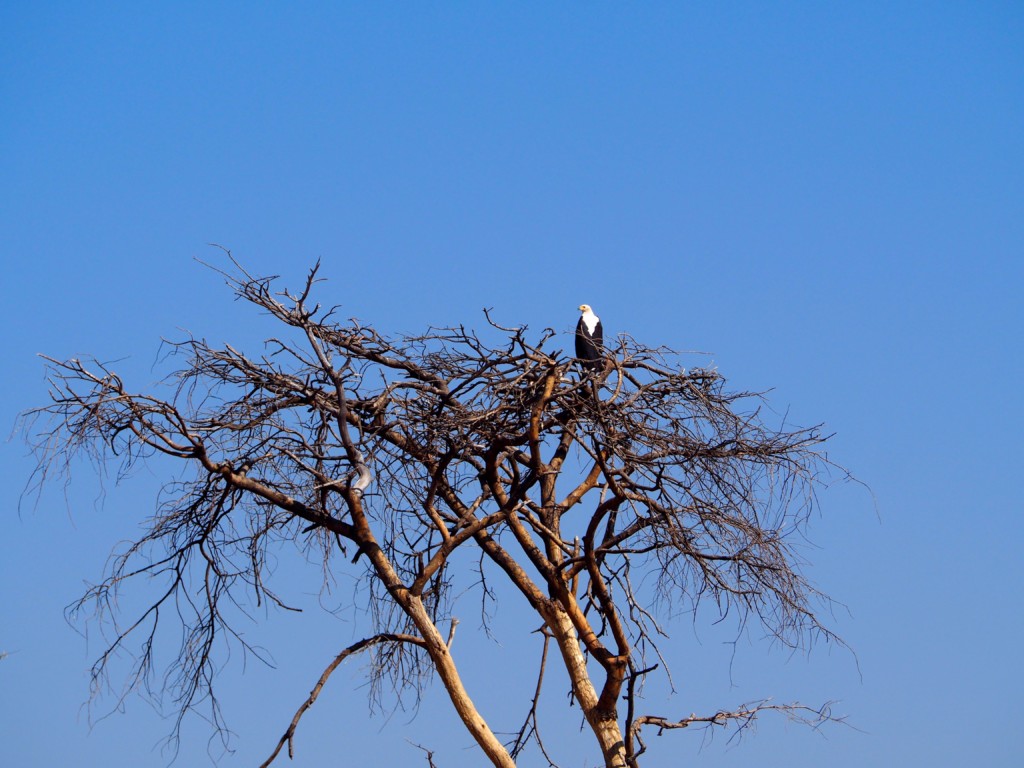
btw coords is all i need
(441, 656)
(603, 721)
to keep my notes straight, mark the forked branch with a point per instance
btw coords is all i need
(743, 717)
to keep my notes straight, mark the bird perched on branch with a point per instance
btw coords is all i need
(589, 338)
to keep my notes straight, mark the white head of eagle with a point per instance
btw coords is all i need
(589, 337)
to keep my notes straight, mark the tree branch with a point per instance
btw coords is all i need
(289, 734)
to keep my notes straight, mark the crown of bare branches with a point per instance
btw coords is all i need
(395, 451)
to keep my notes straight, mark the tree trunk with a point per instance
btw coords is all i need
(449, 674)
(605, 724)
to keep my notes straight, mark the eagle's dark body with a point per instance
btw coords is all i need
(589, 338)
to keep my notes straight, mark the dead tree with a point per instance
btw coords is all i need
(386, 455)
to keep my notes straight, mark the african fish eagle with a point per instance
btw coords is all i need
(589, 338)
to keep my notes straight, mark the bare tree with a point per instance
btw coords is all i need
(385, 456)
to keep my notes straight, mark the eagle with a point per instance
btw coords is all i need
(589, 338)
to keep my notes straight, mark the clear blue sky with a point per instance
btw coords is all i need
(828, 198)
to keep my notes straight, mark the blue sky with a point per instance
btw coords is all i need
(826, 199)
